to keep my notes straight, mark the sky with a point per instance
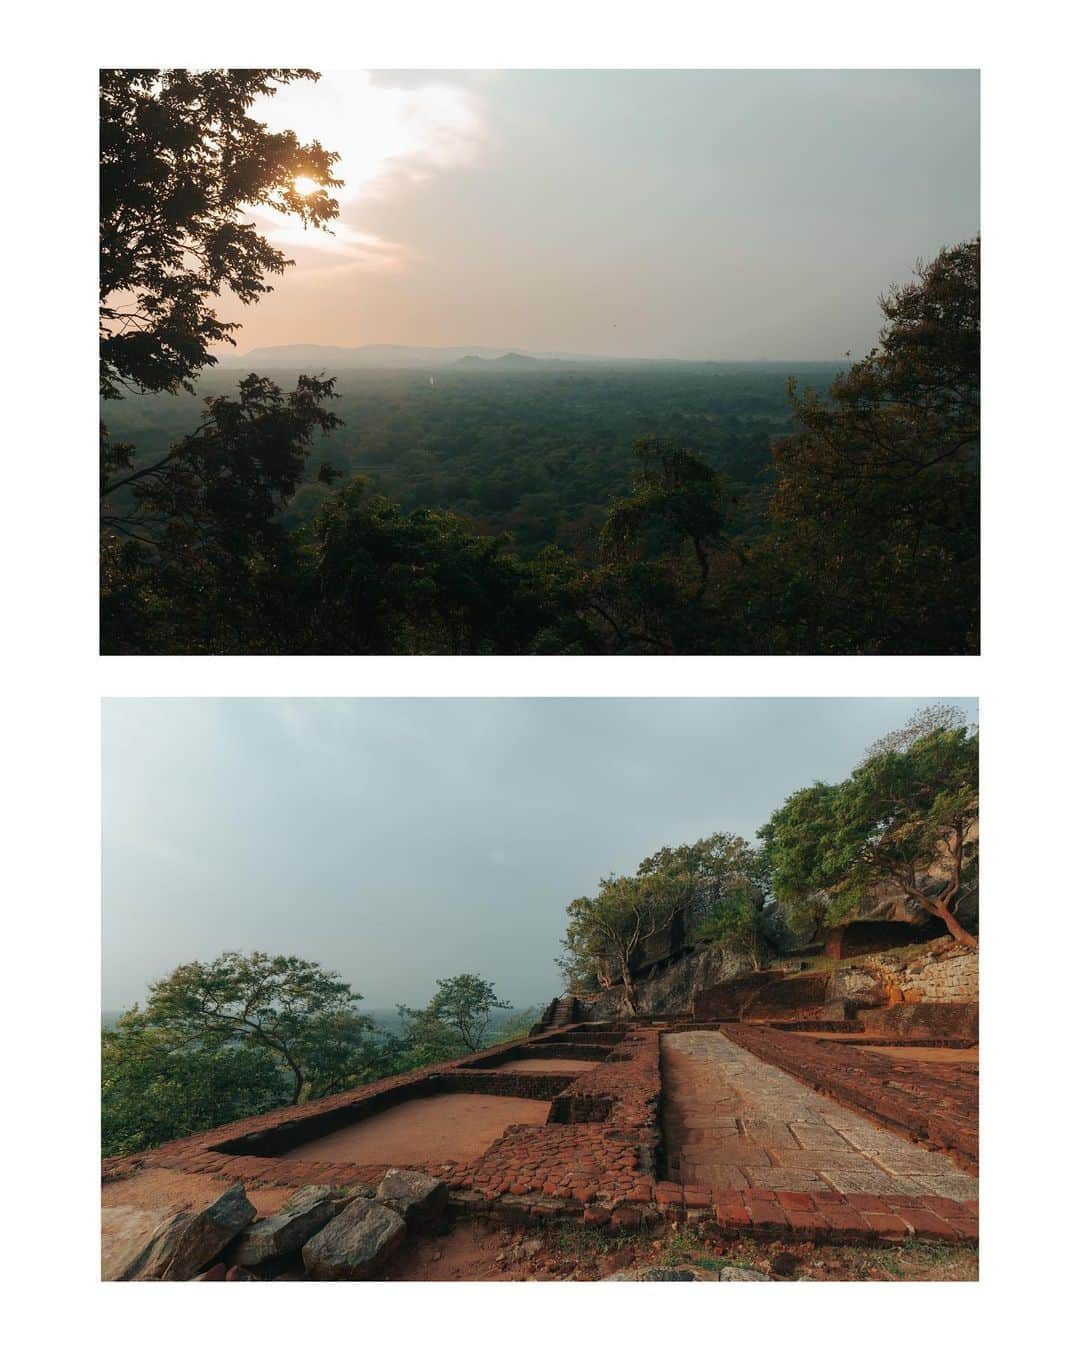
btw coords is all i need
(398, 841)
(729, 215)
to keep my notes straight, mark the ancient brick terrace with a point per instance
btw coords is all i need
(747, 1129)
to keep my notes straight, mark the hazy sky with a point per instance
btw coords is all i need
(403, 840)
(700, 214)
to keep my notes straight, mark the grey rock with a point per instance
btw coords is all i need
(355, 1243)
(306, 1212)
(418, 1198)
(736, 1274)
(186, 1242)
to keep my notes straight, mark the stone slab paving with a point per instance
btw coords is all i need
(732, 1121)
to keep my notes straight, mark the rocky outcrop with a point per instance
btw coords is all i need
(307, 1212)
(419, 1199)
(673, 991)
(184, 1243)
(355, 1243)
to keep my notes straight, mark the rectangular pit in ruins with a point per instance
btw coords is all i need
(451, 1127)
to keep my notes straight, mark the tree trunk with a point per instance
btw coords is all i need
(628, 989)
(956, 931)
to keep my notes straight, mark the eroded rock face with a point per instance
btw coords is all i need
(307, 1212)
(355, 1243)
(418, 1198)
(736, 1274)
(185, 1242)
(672, 992)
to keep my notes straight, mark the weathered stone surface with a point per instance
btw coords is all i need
(673, 991)
(355, 1243)
(125, 1233)
(306, 1212)
(418, 1198)
(185, 1242)
(736, 1274)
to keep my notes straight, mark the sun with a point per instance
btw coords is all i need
(305, 186)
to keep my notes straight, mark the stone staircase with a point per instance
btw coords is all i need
(559, 1012)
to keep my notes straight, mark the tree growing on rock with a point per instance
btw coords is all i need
(293, 1010)
(908, 816)
(609, 932)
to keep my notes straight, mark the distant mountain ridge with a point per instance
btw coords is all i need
(382, 356)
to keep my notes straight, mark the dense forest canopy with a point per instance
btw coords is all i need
(535, 454)
(556, 512)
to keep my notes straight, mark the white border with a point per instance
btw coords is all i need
(1025, 677)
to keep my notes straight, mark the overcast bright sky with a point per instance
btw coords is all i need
(700, 214)
(400, 841)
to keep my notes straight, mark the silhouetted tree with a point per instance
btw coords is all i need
(876, 509)
(181, 161)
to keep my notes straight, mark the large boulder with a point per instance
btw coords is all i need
(186, 1242)
(418, 1198)
(309, 1210)
(355, 1243)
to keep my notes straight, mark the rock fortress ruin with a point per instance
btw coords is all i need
(817, 1103)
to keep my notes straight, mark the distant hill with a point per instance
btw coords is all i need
(384, 357)
(514, 360)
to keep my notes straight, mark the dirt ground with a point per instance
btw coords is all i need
(154, 1188)
(545, 1066)
(454, 1126)
(930, 1054)
(474, 1251)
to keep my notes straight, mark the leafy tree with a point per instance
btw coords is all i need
(195, 557)
(291, 1009)
(737, 923)
(422, 582)
(181, 162)
(907, 816)
(462, 1007)
(876, 506)
(608, 932)
(156, 1085)
(660, 549)
(934, 717)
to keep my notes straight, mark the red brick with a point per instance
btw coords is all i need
(767, 1215)
(869, 1203)
(887, 1224)
(791, 1200)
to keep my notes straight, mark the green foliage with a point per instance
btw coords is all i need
(907, 815)
(226, 539)
(875, 516)
(458, 1015)
(291, 1009)
(156, 1086)
(194, 555)
(181, 161)
(608, 931)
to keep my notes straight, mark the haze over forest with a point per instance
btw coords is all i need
(723, 215)
(540, 362)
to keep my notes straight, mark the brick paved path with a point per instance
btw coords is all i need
(733, 1122)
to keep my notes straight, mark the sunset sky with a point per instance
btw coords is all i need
(695, 214)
